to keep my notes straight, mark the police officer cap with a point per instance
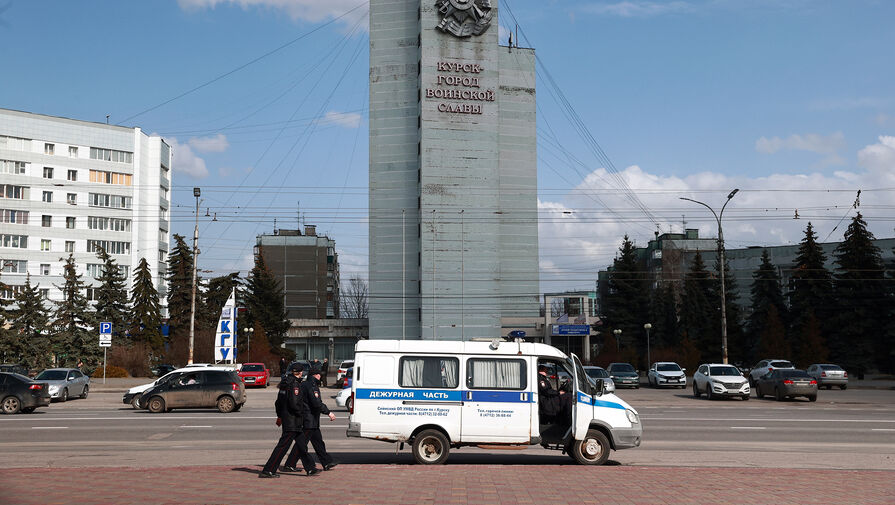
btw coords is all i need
(296, 367)
(315, 370)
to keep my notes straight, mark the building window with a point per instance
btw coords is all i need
(95, 270)
(48, 197)
(46, 221)
(162, 256)
(14, 266)
(110, 246)
(104, 177)
(70, 223)
(97, 153)
(163, 212)
(92, 294)
(12, 167)
(110, 201)
(108, 223)
(71, 199)
(45, 293)
(10, 292)
(48, 172)
(13, 216)
(44, 269)
(10, 191)
(49, 148)
(45, 244)
(163, 235)
(15, 143)
(69, 246)
(73, 153)
(73, 175)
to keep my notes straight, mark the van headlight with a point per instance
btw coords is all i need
(632, 416)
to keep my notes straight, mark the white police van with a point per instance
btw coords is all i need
(440, 394)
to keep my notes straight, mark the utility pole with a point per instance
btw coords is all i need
(196, 193)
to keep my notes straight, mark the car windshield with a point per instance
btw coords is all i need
(724, 370)
(793, 373)
(346, 364)
(52, 375)
(830, 367)
(622, 367)
(668, 367)
(781, 364)
(252, 368)
(596, 373)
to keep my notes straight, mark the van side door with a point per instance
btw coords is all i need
(498, 404)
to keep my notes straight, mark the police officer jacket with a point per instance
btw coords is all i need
(289, 405)
(548, 398)
(313, 405)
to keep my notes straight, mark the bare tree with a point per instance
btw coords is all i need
(355, 298)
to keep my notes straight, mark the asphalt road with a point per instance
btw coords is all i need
(852, 429)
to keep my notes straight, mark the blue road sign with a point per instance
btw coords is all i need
(105, 328)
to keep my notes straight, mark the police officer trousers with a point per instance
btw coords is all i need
(316, 438)
(299, 450)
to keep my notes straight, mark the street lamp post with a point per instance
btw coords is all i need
(196, 193)
(721, 268)
(618, 336)
(248, 333)
(647, 327)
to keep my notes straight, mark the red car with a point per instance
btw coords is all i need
(255, 374)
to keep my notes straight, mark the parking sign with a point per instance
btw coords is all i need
(105, 334)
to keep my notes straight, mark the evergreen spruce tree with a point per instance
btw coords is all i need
(74, 322)
(857, 338)
(111, 298)
(810, 291)
(699, 312)
(767, 297)
(29, 331)
(663, 316)
(264, 303)
(627, 305)
(180, 291)
(146, 318)
(6, 343)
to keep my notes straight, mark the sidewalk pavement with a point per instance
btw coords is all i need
(449, 484)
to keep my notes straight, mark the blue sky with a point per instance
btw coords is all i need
(791, 101)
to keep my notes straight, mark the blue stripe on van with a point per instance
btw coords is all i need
(498, 396)
(583, 398)
(409, 394)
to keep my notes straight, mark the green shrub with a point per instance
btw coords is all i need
(112, 372)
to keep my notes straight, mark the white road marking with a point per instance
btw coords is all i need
(49, 427)
(747, 427)
(198, 426)
(882, 429)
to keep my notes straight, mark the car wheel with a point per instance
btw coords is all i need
(156, 404)
(226, 404)
(812, 398)
(11, 405)
(778, 395)
(28, 410)
(752, 382)
(844, 386)
(593, 450)
(430, 447)
(708, 392)
(84, 393)
(695, 390)
(135, 402)
(745, 397)
(349, 404)
(64, 396)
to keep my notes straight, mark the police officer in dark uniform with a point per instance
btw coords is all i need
(313, 407)
(290, 416)
(548, 398)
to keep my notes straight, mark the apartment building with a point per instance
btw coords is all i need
(71, 187)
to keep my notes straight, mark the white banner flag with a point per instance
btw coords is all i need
(225, 334)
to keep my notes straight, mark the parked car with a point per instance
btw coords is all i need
(343, 398)
(19, 393)
(717, 380)
(254, 374)
(162, 370)
(666, 373)
(196, 388)
(828, 375)
(345, 380)
(766, 365)
(596, 372)
(65, 383)
(132, 396)
(343, 367)
(14, 368)
(624, 375)
(786, 383)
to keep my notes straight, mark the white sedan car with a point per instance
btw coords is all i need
(343, 398)
(667, 373)
(716, 380)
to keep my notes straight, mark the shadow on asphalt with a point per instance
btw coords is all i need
(458, 458)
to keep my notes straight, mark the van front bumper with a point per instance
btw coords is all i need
(627, 438)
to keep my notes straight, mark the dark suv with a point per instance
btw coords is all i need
(216, 388)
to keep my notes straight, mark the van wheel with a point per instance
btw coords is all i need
(430, 447)
(593, 450)
(156, 404)
(226, 404)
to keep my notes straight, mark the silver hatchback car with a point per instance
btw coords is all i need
(65, 383)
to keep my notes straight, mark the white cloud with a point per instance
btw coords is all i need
(346, 119)
(299, 10)
(215, 144)
(879, 157)
(185, 160)
(810, 142)
(636, 8)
